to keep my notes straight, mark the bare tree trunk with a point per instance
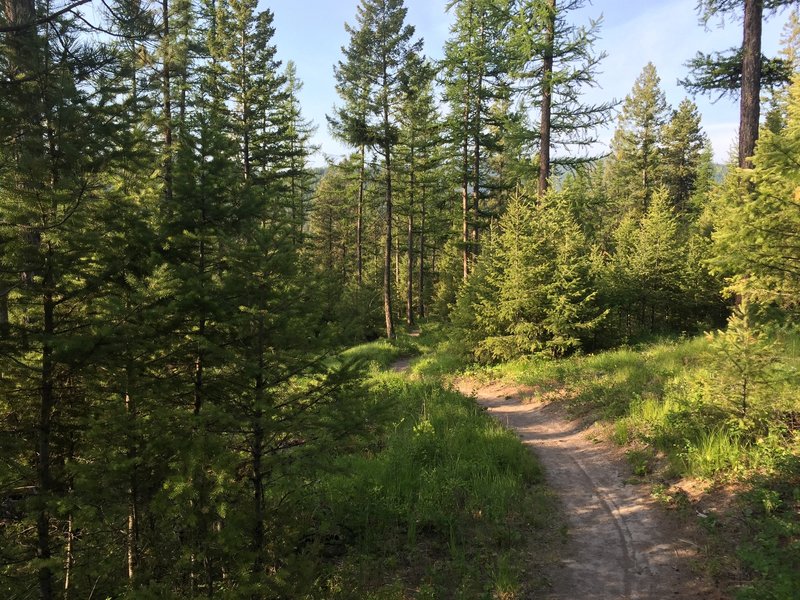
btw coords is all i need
(547, 99)
(749, 108)
(476, 167)
(166, 101)
(410, 265)
(421, 284)
(47, 402)
(360, 222)
(387, 259)
(410, 248)
(69, 560)
(397, 264)
(465, 186)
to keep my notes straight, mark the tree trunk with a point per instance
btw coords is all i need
(410, 249)
(69, 559)
(258, 486)
(47, 402)
(257, 451)
(476, 166)
(410, 286)
(132, 542)
(397, 265)
(387, 259)
(166, 102)
(360, 222)
(421, 284)
(243, 83)
(387, 256)
(5, 326)
(749, 109)
(547, 98)
(465, 186)
(47, 392)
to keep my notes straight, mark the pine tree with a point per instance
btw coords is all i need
(59, 146)
(246, 40)
(534, 292)
(420, 135)
(740, 71)
(790, 54)
(349, 122)
(574, 313)
(384, 40)
(269, 85)
(556, 61)
(646, 267)
(295, 149)
(635, 148)
(755, 244)
(685, 156)
(475, 66)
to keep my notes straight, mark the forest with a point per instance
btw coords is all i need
(198, 325)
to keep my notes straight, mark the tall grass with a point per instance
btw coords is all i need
(714, 452)
(423, 511)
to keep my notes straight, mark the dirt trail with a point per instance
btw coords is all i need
(401, 365)
(621, 544)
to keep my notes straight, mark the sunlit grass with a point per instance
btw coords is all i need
(444, 490)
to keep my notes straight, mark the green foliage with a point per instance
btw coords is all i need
(748, 363)
(644, 274)
(450, 279)
(448, 488)
(635, 148)
(542, 31)
(476, 61)
(162, 354)
(685, 169)
(720, 73)
(772, 553)
(532, 290)
(754, 242)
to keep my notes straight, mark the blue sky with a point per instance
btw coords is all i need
(664, 32)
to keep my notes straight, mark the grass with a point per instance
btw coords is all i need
(446, 504)
(446, 489)
(380, 354)
(676, 406)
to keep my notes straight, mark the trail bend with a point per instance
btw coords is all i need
(621, 544)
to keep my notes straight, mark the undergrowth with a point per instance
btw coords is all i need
(442, 503)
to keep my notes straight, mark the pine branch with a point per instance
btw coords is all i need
(42, 20)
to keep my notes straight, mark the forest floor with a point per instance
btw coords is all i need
(621, 542)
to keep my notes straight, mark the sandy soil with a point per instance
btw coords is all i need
(621, 542)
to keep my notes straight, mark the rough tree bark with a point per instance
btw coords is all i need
(166, 101)
(410, 246)
(547, 98)
(749, 107)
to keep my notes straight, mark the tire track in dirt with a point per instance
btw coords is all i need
(621, 544)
